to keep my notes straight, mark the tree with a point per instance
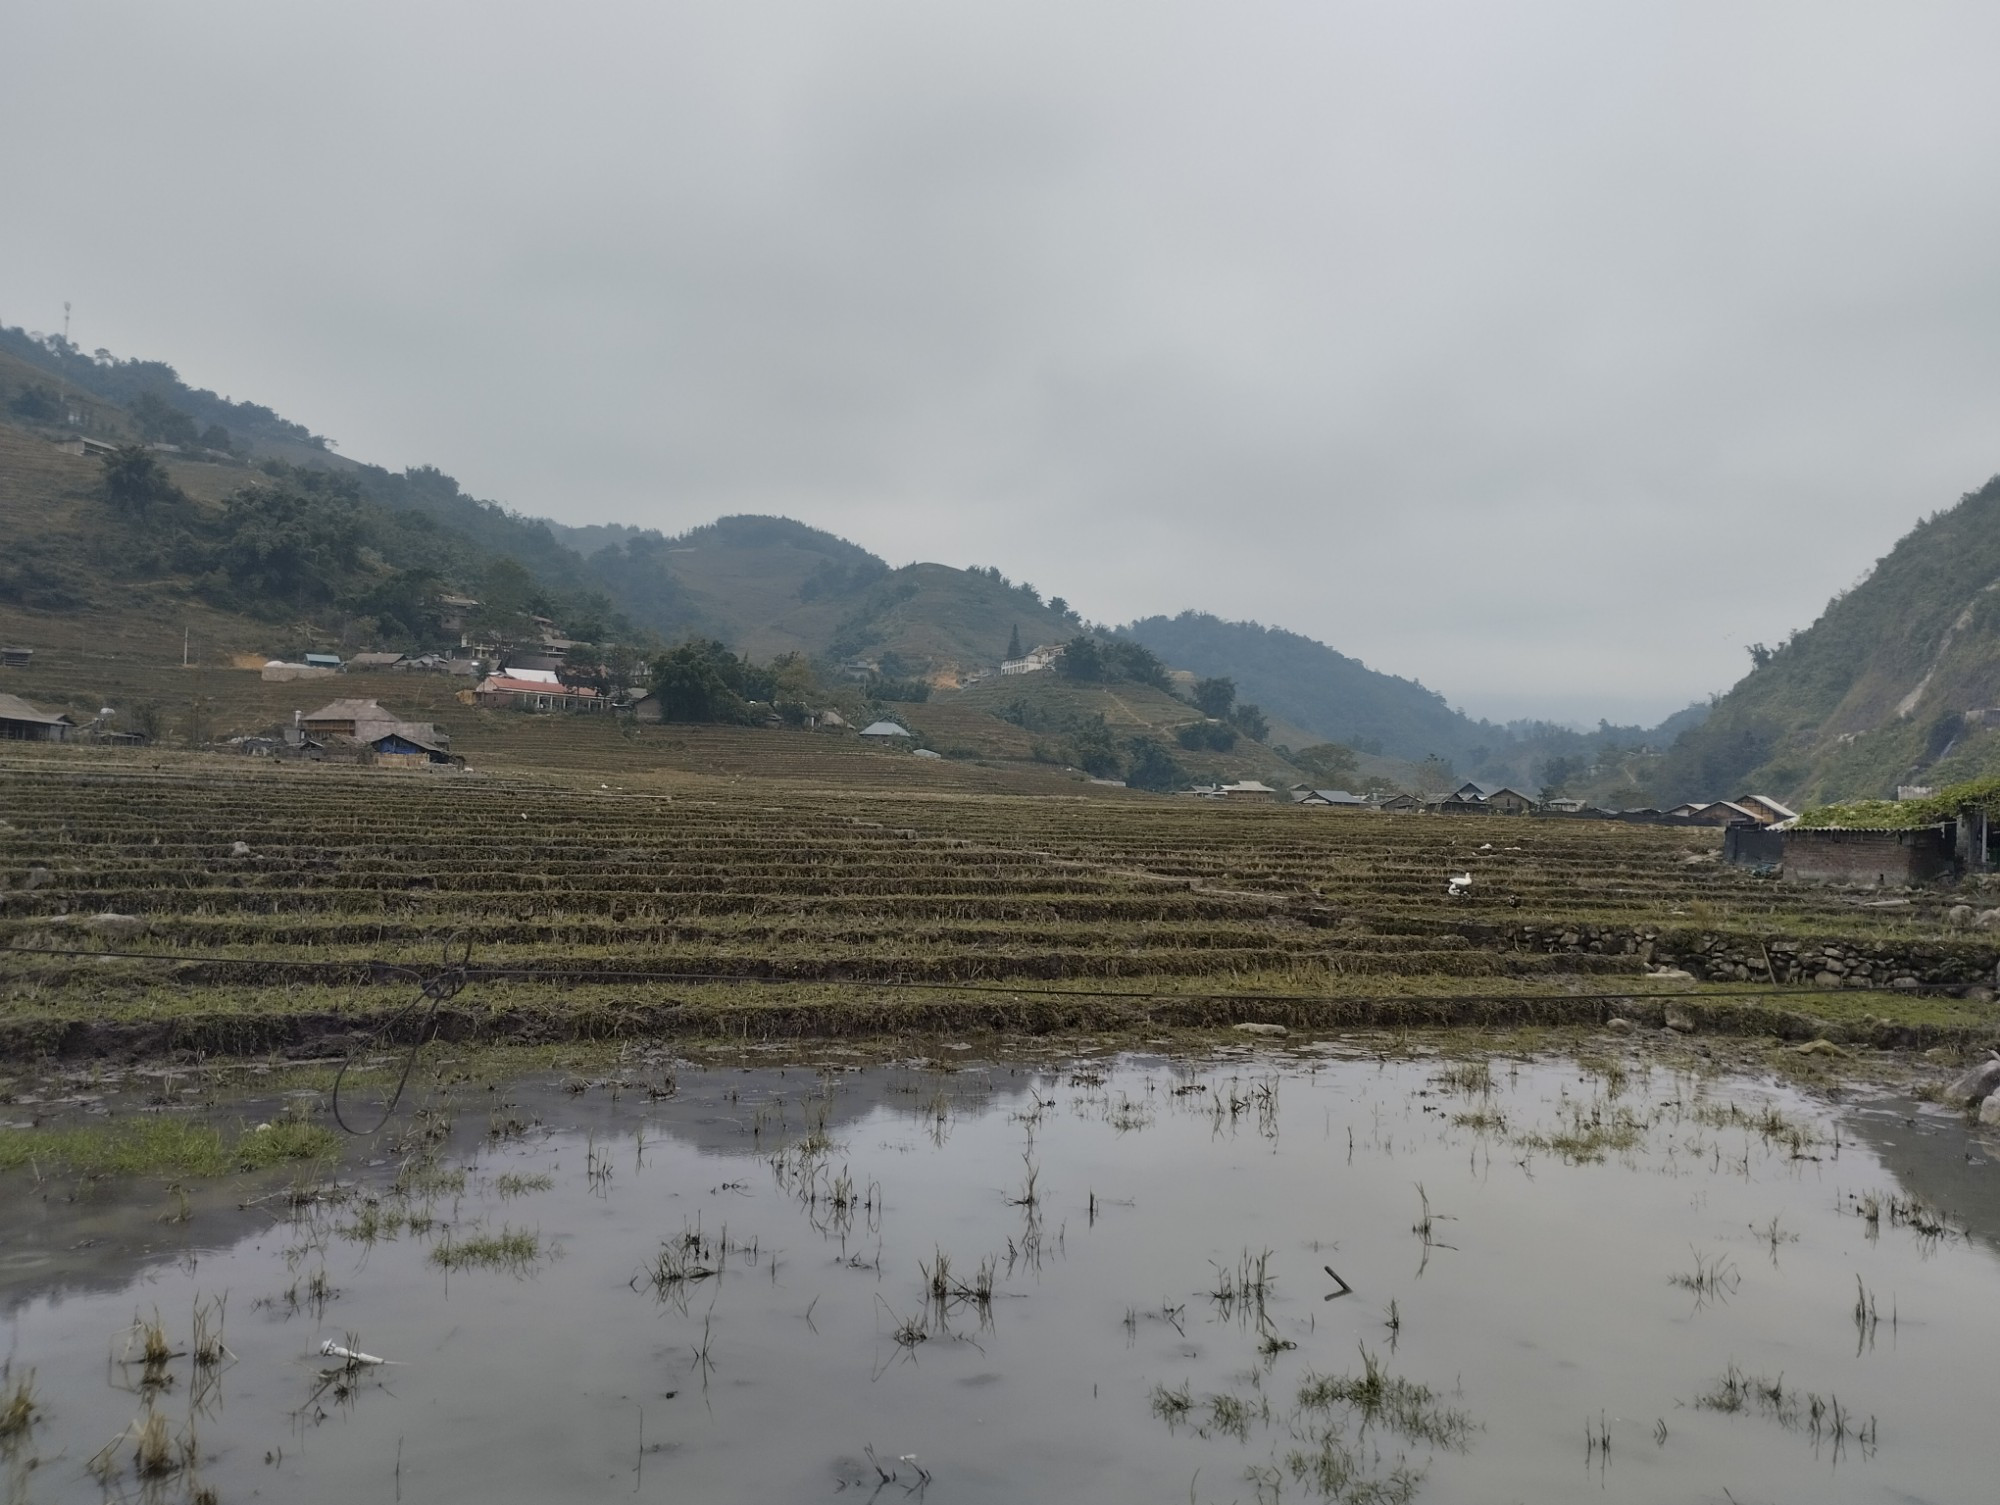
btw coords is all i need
(38, 403)
(1014, 642)
(162, 422)
(1093, 749)
(699, 681)
(507, 592)
(405, 604)
(1216, 736)
(1153, 767)
(1330, 761)
(1061, 608)
(282, 546)
(1437, 773)
(1558, 771)
(794, 687)
(1082, 660)
(1215, 697)
(1250, 721)
(1126, 659)
(133, 480)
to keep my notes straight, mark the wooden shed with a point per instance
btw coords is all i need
(21, 722)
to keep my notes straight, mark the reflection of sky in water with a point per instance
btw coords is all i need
(1553, 1303)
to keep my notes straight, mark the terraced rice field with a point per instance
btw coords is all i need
(292, 903)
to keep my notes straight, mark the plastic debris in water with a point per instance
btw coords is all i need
(333, 1350)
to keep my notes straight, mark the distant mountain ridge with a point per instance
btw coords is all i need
(1340, 699)
(1302, 680)
(762, 585)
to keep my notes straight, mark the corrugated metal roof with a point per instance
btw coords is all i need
(14, 708)
(350, 710)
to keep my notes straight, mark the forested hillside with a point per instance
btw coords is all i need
(1309, 685)
(255, 514)
(1887, 687)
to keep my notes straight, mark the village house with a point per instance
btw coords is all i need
(1033, 663)
(1882, 856)
(21, 722)
(884, 731)
(1725, 813)
(345, 718)
(436, 663)
(367, 723)
(535, 690)
(1329, 797)
(408, 747)
(79, 444)
(1467, 799)
(453, 610)
(16, 658)
(1249, 789)
(278, 671)
(1399, 804)
(1768, 812)
(374, 662)
(1483, 799)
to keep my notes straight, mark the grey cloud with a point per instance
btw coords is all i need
(1547, 353)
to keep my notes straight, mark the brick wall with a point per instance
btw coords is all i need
(1887, 857)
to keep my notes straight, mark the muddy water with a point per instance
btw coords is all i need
(1158, 1238)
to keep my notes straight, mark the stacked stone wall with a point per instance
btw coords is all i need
(1716, 956)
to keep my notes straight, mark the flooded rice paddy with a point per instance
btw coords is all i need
(1251, 1278)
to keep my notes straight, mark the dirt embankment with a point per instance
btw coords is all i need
(320, 1033)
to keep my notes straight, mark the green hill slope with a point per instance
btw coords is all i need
(1310, 685)
(350, 551)
(1877, 691)
(1039, 716)
(769, 585)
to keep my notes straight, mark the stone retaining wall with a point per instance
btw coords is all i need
(1719, 957)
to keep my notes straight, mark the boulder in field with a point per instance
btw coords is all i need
(1976, 1085)
(117, 927)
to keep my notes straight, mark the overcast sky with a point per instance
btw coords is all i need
(1547, 353)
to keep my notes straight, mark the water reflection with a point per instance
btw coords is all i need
(1246, 1278)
